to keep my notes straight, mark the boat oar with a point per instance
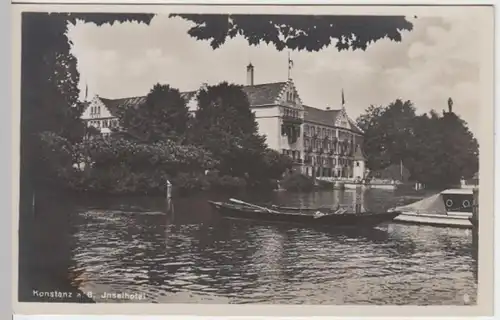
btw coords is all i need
(252, 205)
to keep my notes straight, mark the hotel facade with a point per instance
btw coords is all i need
(323, 143)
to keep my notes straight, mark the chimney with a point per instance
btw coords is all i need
(250, 74)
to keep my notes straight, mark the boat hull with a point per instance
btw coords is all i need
(328, 220)
(437, 220)
(474, 222)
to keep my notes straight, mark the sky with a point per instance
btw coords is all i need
(438, 59)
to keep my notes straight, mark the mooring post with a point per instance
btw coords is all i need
(169, 190)
(168, 196)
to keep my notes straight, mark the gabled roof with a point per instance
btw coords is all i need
(264, 94)
(354, 127)
(114, 105)
(327, 118)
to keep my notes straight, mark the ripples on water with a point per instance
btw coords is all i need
(194, 256)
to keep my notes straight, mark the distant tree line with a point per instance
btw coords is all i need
(437, 149)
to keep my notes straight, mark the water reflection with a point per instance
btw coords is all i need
(190, 254)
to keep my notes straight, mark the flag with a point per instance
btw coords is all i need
(290, 63)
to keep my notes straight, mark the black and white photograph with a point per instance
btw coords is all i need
(252, 155)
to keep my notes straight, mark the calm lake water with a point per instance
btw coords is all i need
(191, 255)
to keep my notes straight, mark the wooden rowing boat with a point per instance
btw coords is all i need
(237, 209)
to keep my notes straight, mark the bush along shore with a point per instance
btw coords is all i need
(160, 141)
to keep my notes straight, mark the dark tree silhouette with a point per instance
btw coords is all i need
(300, 32)
(163, 116)
(225, 125)
(437, 150)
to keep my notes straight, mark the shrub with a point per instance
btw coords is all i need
(225, 182)
(297, 182)
(190, 182)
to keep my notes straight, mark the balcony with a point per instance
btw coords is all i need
(287, 119)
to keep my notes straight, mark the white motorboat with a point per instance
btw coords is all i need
(449, 208)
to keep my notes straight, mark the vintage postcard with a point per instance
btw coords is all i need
(253, 159)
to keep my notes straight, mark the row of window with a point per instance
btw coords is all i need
(106, 123)
(295, 154)
(289, 112)
(95, 110)
(311, 130)
(331, 162)
(290, 96)
(328, 172)
(328, 146)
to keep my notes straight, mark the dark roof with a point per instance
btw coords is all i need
(264, 94)
(258, 95)
(354, 127)
(324, 117)
(114, 105)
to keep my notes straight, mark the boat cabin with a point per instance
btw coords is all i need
(458, 201)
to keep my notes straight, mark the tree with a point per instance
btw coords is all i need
(388, 134)
(275, 164)
(437, 150)
(300, 32)
(447, 150)
(225, 125)
(163, 116)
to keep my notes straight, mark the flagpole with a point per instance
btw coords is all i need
(288, 65)
(401, 169)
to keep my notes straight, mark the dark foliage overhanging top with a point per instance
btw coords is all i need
(300, 32)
